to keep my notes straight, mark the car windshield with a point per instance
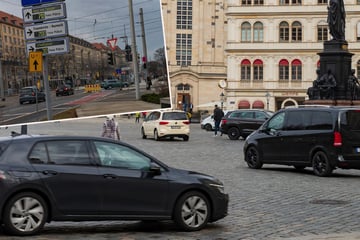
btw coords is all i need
(26, 91)
(174, 116)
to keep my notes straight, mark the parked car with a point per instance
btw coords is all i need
(31, 95)
(112, 83)
(324, 138)
(64, 89)
(241, 123)
(73, 178)
(166, 123)
(208, 123)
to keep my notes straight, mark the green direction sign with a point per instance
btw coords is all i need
(44, 12)
(49, 47)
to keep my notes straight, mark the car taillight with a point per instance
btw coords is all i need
(2, 175)
(223, 121)
(163, 123)
(65, 89)
(337, 139)
(186, 122)
(32, 94)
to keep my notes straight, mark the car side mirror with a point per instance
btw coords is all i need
(155, 170)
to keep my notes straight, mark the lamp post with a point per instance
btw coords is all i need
(267, 95)
(222, 95)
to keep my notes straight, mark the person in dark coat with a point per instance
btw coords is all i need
(218, 115)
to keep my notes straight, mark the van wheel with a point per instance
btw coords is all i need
(208, 127)
(321, 165)
(25, 214)
(156, 135)
(192, 211)
(143, 133)
(252, 158)
(234, 133)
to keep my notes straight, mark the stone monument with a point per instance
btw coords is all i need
(336, 83)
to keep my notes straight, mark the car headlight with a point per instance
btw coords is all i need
(218, 186)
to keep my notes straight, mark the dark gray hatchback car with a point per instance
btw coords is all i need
(321, 137)
(59, 178)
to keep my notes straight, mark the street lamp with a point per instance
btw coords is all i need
(222, 97)
(267, 95)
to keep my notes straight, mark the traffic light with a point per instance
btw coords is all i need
(110, 58)
(128, 53)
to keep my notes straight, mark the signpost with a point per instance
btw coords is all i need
(46, 30)
(48, 47)
(43, 13)
(25, 3)
(35, 62)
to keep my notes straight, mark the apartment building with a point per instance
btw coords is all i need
(269, 49)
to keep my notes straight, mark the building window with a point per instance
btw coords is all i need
(258, 32)
(245, 32)
(183, 49)
(296, 2)
(296, 32)
(184, 14)
(358, 31)
(325, 2)
(183, 87)
(245, 70)
(258, 2)
(358, 68)
(284, 70)
(296, 70)
(258, 70)
(284, 2)
(245, 2)
(284, 32)
(322, 32)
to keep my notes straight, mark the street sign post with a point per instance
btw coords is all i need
(25, 3)
(46, 30)
(44, 12)
(48, 47)
(35, 62)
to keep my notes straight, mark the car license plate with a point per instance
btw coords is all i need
(175, 127)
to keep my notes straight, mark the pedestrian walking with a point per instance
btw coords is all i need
(218, 115)
(137, 117)
(110, 128)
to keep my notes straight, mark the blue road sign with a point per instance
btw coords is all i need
(35, 2)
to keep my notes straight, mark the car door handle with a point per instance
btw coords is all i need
(110, 176)
(49, 172)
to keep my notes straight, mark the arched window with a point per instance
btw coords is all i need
(284, 70)
(258, 32)
(183, 87)
(258, 70)
(284, 32)
(296, 32)
(245, 32)
(245, 70)
(296, 70)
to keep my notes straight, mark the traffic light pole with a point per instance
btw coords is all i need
(143, 43)
(134, 52)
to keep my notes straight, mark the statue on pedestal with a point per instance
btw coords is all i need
(336, 19)
(353, 86)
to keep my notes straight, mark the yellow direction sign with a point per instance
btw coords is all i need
(35, 61)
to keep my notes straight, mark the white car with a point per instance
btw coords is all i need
(166, 123)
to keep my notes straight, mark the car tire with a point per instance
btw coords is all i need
(186, 138)
(234, 133)
(192, 211)
(28, 207)
(143, 133)
(321, 165)
(252, 158)
(156, 135)
(208, 127)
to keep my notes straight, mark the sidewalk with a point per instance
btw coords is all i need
(337, 236)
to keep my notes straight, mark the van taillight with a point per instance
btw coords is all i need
(32, 94)
(186, 122)
(223, 121)
(337, 139)
(163, 123)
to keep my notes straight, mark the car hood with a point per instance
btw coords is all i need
(201, 177)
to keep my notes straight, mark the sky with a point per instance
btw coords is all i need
(100, 20)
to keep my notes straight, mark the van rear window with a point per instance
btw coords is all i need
(351, 120)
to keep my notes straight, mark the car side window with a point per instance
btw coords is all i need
(321, 121)
(277, 122)
(297, 120)
(260, 116)
(120, 156)
(60, 153)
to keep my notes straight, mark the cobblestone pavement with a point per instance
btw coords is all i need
(275, 202)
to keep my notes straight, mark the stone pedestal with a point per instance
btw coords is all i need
(337, 58)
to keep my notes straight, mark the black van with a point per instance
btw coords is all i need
(321, 137)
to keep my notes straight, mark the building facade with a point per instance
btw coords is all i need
(266, 51)
(195, 36)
